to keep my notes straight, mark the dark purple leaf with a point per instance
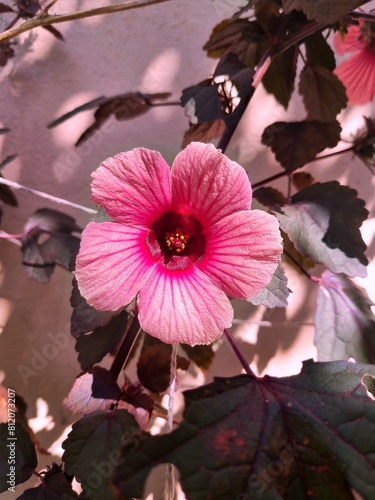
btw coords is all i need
(40, 259)
(344, 322)
(201, 355)
(6, 52)
(54, 32)
(92, 447)
(297, 143)
(28, 8)
(323, 223)
(5, 8)
(123, 107)
(279, 78)
(290, 437)
(203, 132)
(54, 486)
(270, 197)
(103, 340)
(319, 52)
(364, 145)
(154, 365)
(237, 36)
(323, 11)
(86, 318)
(7, 195)
(276, 293)
(84, 107)
(323, 93)
(104, 384)
(346, 215)
(48, 241)
(51, 221)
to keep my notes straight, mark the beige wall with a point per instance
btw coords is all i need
(155, 49)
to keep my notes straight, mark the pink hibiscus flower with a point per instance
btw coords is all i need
(183, 239)
(357, 73)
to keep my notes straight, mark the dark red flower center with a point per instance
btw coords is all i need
(179, 235)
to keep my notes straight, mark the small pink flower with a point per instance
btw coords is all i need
(183, 239)
(357, 73)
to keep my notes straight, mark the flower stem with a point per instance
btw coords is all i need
(46, 19)
(298, 265)
(238, 353)
(284, 173)
(47, 196)
(126, 346)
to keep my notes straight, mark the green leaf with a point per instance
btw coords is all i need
(279, 78)
(92, 450)
(292, 437)
(323, 11)
(319, 52)
(323, 222)
(344, 322)
(54, 487)
(103, 340)
(17, 456)
(323, 93)
(276, 293)
(297, 143)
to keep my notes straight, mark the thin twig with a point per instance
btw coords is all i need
(284, 173)
(49, 6)
(126, 346)
(46, 20)
(46, 196)
(238, 353)
(298, 265)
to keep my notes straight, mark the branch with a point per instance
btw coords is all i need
(44, 19)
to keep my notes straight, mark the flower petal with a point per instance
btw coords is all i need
(133, 187)
(112, 264)
(358, 75)
(242, 253)
(183, 306)
(207, 185)
(350, 41)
